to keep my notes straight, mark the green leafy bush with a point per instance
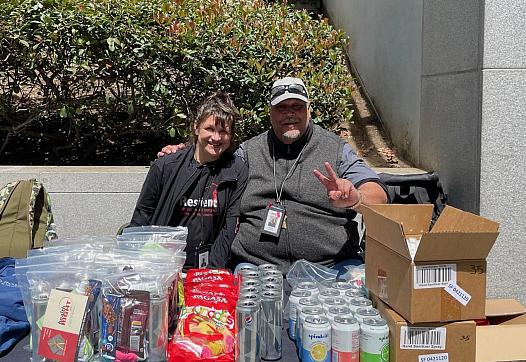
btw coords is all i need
(90, 81)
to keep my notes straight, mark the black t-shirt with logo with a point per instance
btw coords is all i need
(196, 210)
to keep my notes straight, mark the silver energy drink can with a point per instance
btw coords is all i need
(294, 299)
(247, 338)
(272, 273)
(271, 324)
(247, 267)
(316, 311)
(338, 311)
(342, 287)
(310, 286)
(367, 312)
(316, 339)
(250, 283)
(334, 302)
(158, 328)
(38, 310)
(360, 303)
(374, 340)
(271, 279)
(249, 274)
(264, 267)
(252, 289)
(354, 293)
(272, 286)
(345, 339)
(255, 297)
(328, 293)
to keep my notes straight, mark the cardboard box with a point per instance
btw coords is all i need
(505, 338)
(445, 279)
(423, 342)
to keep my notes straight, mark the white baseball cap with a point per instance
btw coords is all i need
(286, 88)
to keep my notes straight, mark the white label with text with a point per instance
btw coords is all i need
(438, 357)
(458, 293)
(434, 276)
(423, 338)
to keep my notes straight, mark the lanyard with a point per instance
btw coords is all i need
(289, 174)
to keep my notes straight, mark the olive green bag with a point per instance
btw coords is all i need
(25, 217)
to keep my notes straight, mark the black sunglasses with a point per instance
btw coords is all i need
(288, 88)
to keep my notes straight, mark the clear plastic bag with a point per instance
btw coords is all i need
(303, 270)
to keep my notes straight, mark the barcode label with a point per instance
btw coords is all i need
(434, 276)
(423, 338)
(438, 357)
(134, 343)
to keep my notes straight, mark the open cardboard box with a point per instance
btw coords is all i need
(453, 341)
(505, 338)
(445, 279)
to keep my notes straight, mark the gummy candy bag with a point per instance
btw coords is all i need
(205, 331)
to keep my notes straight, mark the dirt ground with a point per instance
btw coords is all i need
(367, 135)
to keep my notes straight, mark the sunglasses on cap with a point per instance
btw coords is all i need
(288, 88)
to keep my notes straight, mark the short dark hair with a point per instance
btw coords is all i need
(222, 108)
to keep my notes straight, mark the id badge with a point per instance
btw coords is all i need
(274, 220)
(202, 254)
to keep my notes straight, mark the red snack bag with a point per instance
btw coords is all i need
(205, 331)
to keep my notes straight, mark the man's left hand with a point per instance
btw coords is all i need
(341, 192)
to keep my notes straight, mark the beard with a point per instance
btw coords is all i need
(292, 135)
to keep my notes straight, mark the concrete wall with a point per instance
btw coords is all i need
(503, 138)
(454, 103)
(419, 62)
(85, 200)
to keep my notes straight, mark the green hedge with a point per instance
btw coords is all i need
(78, 77)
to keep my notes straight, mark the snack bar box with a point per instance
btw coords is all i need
(436, 275)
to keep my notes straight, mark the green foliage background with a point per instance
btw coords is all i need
(89, 80)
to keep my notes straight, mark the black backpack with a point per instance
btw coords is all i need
(422, 188)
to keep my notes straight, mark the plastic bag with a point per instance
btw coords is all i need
(303, 270)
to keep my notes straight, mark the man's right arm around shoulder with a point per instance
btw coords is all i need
(166, 150)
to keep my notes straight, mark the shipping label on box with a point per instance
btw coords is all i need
(62, 325)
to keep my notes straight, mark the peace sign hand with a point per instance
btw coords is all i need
(341, 192)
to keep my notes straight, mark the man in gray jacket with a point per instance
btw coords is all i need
(288, 214)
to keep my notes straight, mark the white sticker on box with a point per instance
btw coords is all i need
(438, 357)
(458, 293)
(434, 276)
(422, 338)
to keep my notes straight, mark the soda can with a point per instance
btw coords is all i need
(271, 279)
(303, 312)
(158, 328)
(250, 283)
(249, 274)
(275, 273)
(272, 286)
(374, 340)
(342, 287)
(360, 302)
(316, 339)
(250, 289)
(248, 338)
(264, 267)
(367, 312)
(271, 324)
(294, 299)
(338, 311)
(334, 302)
(310, 286)
(345, 339)
(247, 267)
(355, 293)
(255, 297)
(328, 293)
(38, 308)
